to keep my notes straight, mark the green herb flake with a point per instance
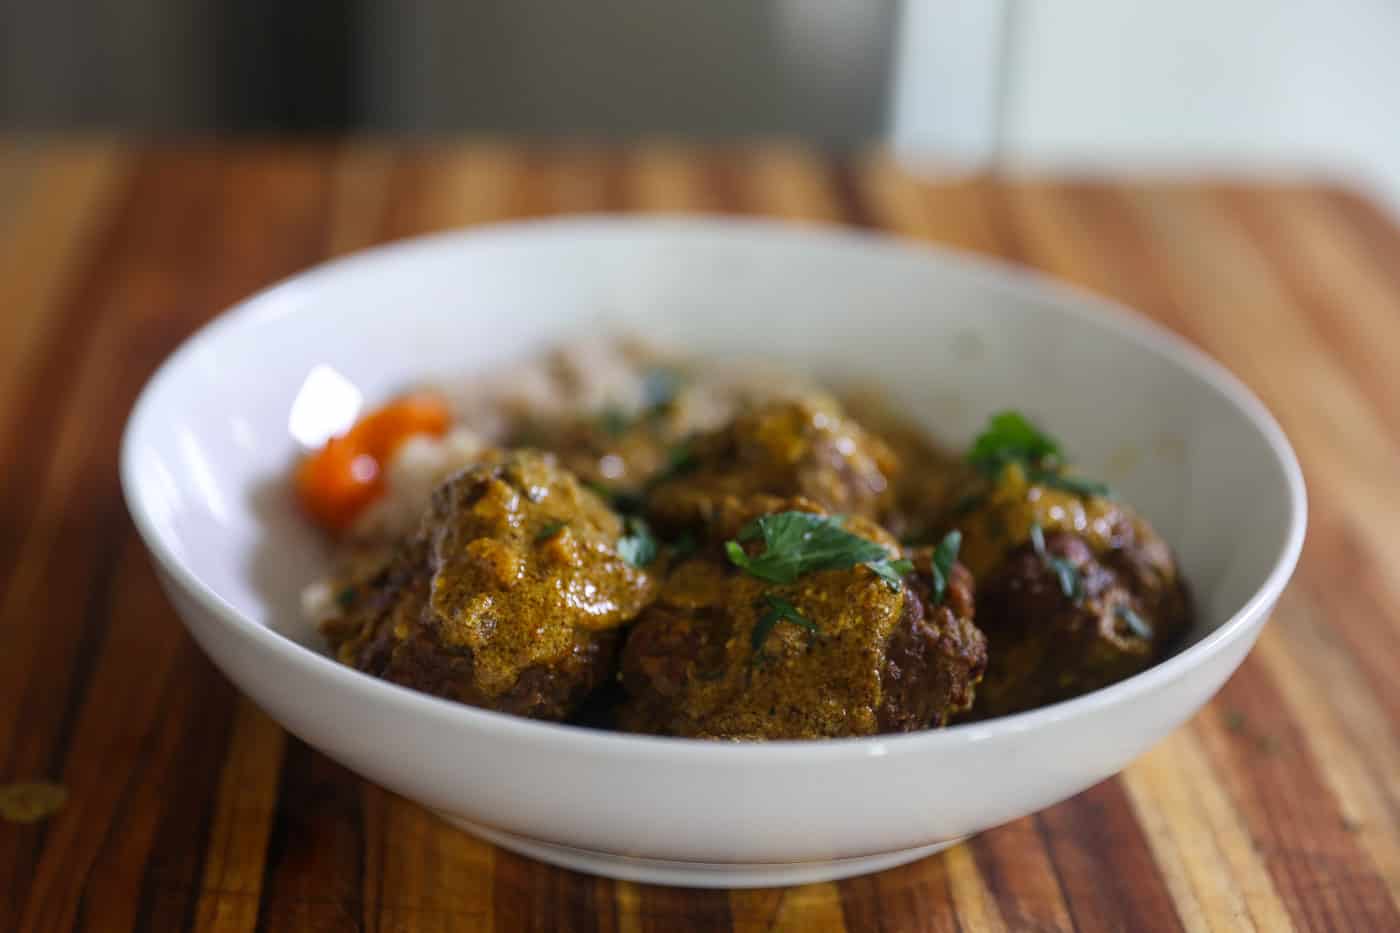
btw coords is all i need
(1235, 721)
(680, 460)
(613, 421)
(944, 557)
(346, 597)
(624, 501)
(660, 385)
(1038, 541)
(1071, 583)
(779, 610)
(638, 545)
(1135, 622)
(1010, 437)
(684, 546)
(968, 503)
(1077, 485)
(549, 530)
(795, 543)
(892, 572)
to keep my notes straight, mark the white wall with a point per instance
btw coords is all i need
(1184, 86)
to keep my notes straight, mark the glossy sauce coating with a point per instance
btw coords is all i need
(804, 447)
(695, 667)
(515, 569)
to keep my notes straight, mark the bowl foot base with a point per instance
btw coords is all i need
(695, 874)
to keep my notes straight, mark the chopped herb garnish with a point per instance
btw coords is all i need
(944, 556)
(795, 543)
(1071, 584)
(1135, 622)
(680, 459)
(892, 571)
(614, 421)
(779, 610)
(684, 546)
(638, 545)
(968, 502)
(659, 387)
(1075, 484)
(1038, 541)
(622, 500)
(1011, 438)
(346, 597)
(549, 530)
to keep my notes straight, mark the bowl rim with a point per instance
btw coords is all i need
(275, 301)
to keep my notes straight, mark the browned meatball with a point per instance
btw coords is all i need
(1095, 599)
(715, 658)
(509, 597)
(805, 448)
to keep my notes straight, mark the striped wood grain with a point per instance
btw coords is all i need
(1277, 808)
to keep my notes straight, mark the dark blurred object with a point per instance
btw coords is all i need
(803, 68)
(178, 65)
(286, 65)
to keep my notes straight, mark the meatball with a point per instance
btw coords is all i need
(1075, 592)
(804, 447)
(509, 596)
(839, 652)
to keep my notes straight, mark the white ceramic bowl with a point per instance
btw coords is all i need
(207, 450)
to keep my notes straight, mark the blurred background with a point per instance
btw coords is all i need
(1248, 86)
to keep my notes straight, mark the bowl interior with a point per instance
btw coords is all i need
(951, 340)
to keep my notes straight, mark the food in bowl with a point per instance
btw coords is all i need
(629, 538)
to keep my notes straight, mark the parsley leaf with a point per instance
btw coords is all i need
(944, 556)
(891, 571)
(638, 545)
(1075, 484)
(795, 543)
(680, 459)
(968, 503)
(684, 546)
(779, 610)
(1011, 438)
(1135, 622)
(659, 387)
(1071, 583)
(614, 421)
(620, 500)
(549, 530)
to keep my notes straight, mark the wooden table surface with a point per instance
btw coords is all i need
(1277, 807)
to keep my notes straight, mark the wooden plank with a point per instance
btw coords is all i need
(242, 821)
(807, 907)
(82, 718)
(69, 523)
(1203, 848)
(916, 897)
